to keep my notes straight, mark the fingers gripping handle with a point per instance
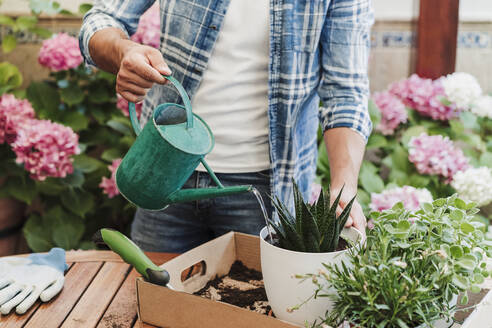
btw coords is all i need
(184, 97)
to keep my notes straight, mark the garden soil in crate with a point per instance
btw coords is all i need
(197, 269)
(241, 286)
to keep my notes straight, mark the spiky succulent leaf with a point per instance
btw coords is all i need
(342, 219)
(282, 239)
(328, 234)
(322, 209)
(340, 223)
(309, 228)
(333, 209)
(313, 228)
(298, 201)
(319, 208)
(291, 236)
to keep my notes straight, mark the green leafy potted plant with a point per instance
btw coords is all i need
(411, 268)
(302, 242)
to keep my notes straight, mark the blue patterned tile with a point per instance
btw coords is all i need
(374, 39)
(474, 40)
(379, 38)
(398, 39)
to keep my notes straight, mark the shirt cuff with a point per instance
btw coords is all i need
(94, 22)
(349, 116)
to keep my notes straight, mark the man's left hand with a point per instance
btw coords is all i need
(356, 218)
(345, 149)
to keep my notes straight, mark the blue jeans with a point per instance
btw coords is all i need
(183, 226)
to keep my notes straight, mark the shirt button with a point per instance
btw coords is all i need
(196, 70)
(213, 27)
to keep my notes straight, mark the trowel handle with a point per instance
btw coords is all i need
(133, 255)
(184, 97)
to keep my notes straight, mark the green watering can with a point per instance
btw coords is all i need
(166, 152)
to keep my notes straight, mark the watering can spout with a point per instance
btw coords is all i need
(188, 195)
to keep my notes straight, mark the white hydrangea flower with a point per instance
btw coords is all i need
(462, 89)
(424, 195)
(474, 185)
(483, 107)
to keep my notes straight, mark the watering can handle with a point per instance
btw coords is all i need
(186, 102)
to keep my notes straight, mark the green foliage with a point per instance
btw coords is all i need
(9, 42)
(23, 24)
(386, 162)
(410, 268)
(67, 211)
(10, 77)
(84, 8)
(315, 228)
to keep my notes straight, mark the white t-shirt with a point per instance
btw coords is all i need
(233, 95)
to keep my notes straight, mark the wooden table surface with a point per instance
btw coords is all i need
(99, 291)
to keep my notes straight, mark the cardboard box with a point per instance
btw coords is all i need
(163, 307)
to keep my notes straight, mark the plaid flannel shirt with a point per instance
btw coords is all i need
(318, 51)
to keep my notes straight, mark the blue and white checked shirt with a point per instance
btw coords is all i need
(318, 50)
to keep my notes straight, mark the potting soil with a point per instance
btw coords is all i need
(241, 287)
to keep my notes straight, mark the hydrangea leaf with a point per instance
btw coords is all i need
(37, 234)
(78, 201)
(9, 42)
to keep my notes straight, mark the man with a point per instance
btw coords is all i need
(255, 71)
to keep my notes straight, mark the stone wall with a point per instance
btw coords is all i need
(393, 40)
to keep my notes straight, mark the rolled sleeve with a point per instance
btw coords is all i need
(122, 14)
(344, 85)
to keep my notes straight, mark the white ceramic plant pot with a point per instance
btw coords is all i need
(284, 291)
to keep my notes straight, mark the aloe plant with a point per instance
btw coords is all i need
(314, 228)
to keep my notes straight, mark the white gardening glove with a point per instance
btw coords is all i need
(24, 280)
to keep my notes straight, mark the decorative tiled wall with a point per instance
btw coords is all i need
(393, 52)
(392, 55)
(406, 39)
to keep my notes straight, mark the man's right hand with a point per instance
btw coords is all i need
(140, 67)
(137, 66)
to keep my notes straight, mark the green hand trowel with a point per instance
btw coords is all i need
(165, 154)
(133, 255)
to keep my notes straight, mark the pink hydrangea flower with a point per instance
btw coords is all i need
(109, 185)
(393, 112)
(122, 104)
(412, 198)
(436, 155)
(149, 28)
(45, 148)
(13, 113)
(425, 96)
(61, 52)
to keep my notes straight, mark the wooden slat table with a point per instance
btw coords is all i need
(99, 292)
